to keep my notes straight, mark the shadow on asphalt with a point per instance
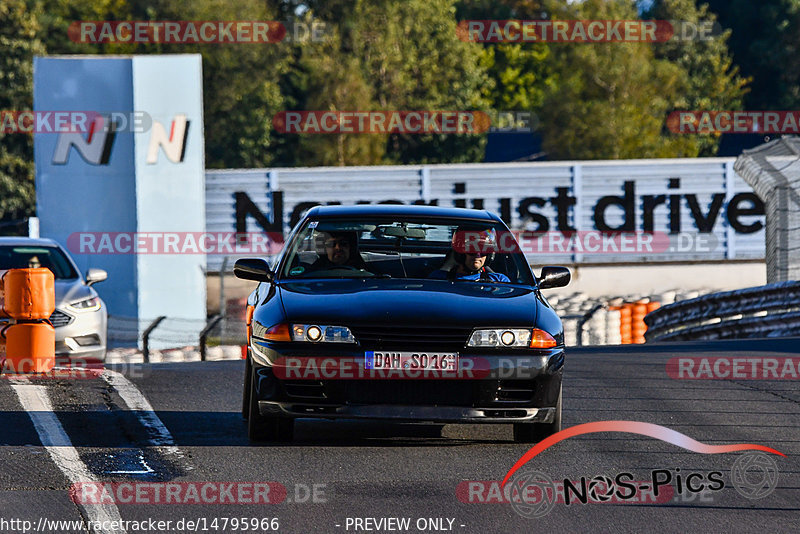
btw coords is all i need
(121, 429)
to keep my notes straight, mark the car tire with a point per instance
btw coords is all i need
(246, 390)
(261, 428)
(536, 432)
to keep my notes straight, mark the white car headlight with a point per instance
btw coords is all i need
(322, 333)
(533, 338)
(500, 337)
(92, 303)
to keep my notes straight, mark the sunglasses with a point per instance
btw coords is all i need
(342, 243)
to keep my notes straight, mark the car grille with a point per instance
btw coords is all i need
(60, 318)
(420, 392)
(411, 337)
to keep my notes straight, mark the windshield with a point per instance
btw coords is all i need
(23, 257)
(405, 248)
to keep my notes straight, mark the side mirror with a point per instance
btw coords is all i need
(253, 269)
(553, 277)
(95, 275)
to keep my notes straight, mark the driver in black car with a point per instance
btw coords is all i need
(470, 256)
(340, 250)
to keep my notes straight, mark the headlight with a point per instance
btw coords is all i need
(322, 333)
(512, 338)
(92, 303)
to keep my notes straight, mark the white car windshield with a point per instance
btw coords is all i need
(24, 257)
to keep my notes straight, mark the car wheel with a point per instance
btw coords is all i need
(261, 428)
(246, 390)
(536, 432)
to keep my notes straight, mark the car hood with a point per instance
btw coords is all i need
(409, 302)
(68, 291)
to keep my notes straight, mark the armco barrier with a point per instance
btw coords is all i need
(27, 340)
(766, 311)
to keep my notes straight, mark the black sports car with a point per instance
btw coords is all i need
(405, 313)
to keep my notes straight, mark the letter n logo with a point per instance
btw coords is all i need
(95, 149)
(174, 146)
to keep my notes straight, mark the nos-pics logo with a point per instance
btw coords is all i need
(532, 493)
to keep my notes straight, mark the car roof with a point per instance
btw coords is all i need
(400, 210)
(27, 241)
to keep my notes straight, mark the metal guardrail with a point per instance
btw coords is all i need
(175, 332)
(766, 311)
(146, 337)
(204, 335)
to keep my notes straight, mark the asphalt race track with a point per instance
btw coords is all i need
(181, 423)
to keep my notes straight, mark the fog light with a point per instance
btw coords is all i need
(314, 333)
(84, 341)
(507, 338)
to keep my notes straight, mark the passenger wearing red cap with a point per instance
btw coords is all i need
(471, 251)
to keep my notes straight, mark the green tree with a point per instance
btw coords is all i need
(335, 83)
(611, 100)
(518, 74)
(765, 43)
(411, 53)
(18, 45)
(411, 58)
(241, 92)
(709, 80)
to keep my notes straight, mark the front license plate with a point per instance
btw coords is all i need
(411, 361)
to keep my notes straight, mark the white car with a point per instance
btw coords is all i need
(80, 318)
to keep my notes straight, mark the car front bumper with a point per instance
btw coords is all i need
(409, 413)
(517, 387)
(81, 334)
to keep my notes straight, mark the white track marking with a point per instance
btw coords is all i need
(136, 401)
(55, 440)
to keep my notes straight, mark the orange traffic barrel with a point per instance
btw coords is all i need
(30, 347)
(625, 323)
(27, 294)
(638, 328)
